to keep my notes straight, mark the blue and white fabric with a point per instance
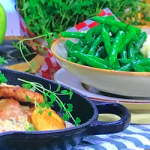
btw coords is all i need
(135, 137)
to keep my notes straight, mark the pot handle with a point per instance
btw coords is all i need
(99, 127)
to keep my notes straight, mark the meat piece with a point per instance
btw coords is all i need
(19, 93)
(11, 108)
(43, 121)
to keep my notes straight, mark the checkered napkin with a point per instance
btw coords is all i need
(51, 65)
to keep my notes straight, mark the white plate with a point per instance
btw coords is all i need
(65, 78)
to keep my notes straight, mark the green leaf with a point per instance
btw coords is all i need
(70, 94)
(47, 106)
(104, 1)
(65, 117)
(52, 96)
(5, 61)
(50, 3)
(42, 104)
(64, 92)
(25, 48)
(43, 1)
(70, 108)
(2, 60)
(58, 88)
(15, 45)
(33, 3)
(26, 5)
(30, 127)
(27, 86)
(2, 78)
(78, 121)
(27, 20)
(40, 112)
(49, 113)
(28, 98)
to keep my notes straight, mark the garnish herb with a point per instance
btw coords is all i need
(2, 60)
(53, 96)
(22, 48)
(29, 126)
(28, 99)
(2, 78)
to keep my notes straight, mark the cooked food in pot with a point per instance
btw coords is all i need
(15, 116)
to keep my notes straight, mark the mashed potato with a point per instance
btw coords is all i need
(145, 50)
(13, 125)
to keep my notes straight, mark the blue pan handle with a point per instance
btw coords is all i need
(99, 127)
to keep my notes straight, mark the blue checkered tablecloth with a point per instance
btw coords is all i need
(135, 137)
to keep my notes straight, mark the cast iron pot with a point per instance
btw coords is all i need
(68, 138)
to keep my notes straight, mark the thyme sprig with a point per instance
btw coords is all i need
(53, 97)
(23, 48)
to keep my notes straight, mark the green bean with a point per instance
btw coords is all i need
(106, 40)
(126, 67)
(115, 48)
(95, 45)
(138, 68)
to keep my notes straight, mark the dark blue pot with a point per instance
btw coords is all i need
(64, 139)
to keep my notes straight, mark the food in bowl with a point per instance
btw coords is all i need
(111, 45)
(145, 50)
(23, 109)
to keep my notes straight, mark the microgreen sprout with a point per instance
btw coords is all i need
(2, 60)
(53, 96)
(2, 78)
(29, 126)
(22, 47)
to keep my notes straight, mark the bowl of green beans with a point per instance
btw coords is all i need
(107, 57)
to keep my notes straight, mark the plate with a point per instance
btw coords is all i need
(63, 77)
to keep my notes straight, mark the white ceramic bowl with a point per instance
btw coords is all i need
(134, 84)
